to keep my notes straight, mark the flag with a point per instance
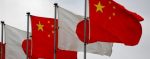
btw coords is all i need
(24, 46)
(14, 42)
(68, 39)
(43, 39)
(111, 22)
(2, 51)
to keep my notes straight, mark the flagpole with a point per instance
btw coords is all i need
(27, 48)
(2, 31)
(85, 20)
(55, 28)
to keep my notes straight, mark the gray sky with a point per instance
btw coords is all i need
(13, 12)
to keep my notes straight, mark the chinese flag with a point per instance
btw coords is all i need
(111, 22)
(43, 40)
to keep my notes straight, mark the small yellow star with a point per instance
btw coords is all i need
(49, 35)
(53, 32)
(49, 22)
(52, 26)
(114, 7)
(109, 17)
(113, 14)
(99, 7)
(40, 26)
(109, 2)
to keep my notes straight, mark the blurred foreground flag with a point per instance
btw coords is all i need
(14, 41)
(43, 40)
(68, 39)
(111, 22)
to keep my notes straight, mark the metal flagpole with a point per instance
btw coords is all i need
(27, 48)
(85, 20)
(2, 22)
(55, 28)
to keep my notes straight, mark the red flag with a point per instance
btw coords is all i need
(24, 46)
(111, 22)
(43, 40)
(2, 50)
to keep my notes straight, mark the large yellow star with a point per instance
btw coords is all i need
(99, 7)
(40, 26)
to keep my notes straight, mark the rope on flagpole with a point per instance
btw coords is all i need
(27, 47)
(55, 29)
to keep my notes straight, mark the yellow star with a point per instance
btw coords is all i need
(99, 7)
(114, 7)
(49, 35)
(109, 17)
(40, 26)
(52, 26)
(109, 2)
(49, 22)
(53, 32)
(113, 14)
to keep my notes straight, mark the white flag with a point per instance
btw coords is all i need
(68, 39)
(14, 39)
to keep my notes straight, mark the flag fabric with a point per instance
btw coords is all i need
(68, 39)
(24, 46)
(14, 41)
(43, 40)
(111, 22)
(2, 51)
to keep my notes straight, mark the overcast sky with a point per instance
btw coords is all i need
(13, 12)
